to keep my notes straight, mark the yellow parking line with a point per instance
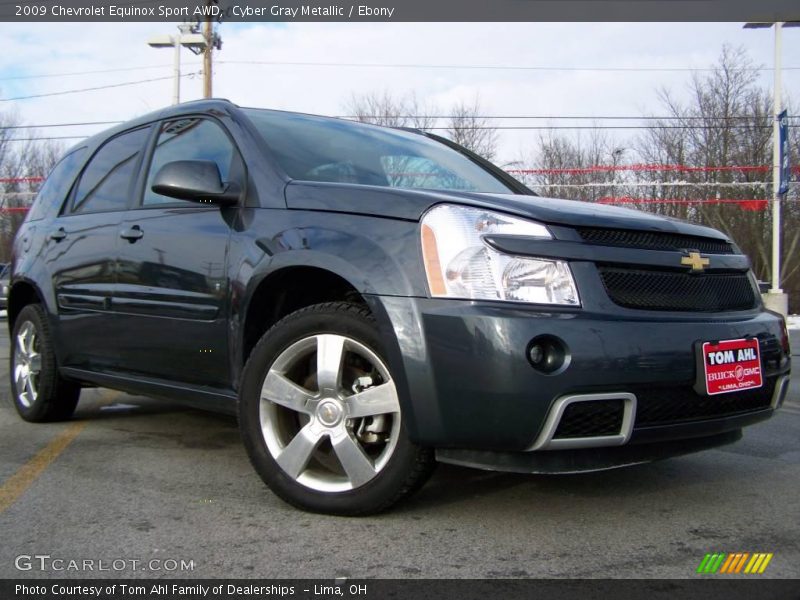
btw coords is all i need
(19, 482)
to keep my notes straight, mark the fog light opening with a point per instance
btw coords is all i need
(548, 354)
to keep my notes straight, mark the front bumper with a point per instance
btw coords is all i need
(586, 460)
(466, 383)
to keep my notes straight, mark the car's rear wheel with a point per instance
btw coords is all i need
(39, 392)
(321, 418)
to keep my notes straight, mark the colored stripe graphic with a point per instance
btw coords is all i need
(718, 563)
(704, 563)
(759, 563)
(728, 564)
(711, 562)
(734, 563)
(764, 564)
(754, 563)
(741, 557)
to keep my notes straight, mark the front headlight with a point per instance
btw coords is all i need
(460, 264)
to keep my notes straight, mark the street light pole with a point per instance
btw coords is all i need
(776, 174)
(176, 71)
(186, 38)
(775, 299)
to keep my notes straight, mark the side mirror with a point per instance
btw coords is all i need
(195, 180)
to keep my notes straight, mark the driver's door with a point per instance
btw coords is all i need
(172, 290)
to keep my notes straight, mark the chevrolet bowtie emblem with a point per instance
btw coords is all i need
(694, 260)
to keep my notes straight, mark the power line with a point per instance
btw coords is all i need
(483, 67)
(504, 128)
(632, 167)
(91, 89)
(498, 117)
(42, 139)
(376, 65)
(116, 70)
(368, 118)
(61, 125)
(590, 127)
(518, 128)
(499, 128)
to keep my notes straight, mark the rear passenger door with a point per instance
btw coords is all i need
(173, 287)
(81, 250)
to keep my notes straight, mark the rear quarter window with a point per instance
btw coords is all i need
(57, 185)
(106, 180)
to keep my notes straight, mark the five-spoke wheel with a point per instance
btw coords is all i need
(321, 417)
(39, 391)
(27, 364)
(336, 427)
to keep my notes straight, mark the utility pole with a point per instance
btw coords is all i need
(208, 33)
(213, 42)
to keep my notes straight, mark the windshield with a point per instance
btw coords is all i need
(313, 148)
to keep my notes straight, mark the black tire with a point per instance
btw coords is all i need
(52, 398)
(400, 466)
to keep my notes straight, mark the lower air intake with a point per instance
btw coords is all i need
(590, 418)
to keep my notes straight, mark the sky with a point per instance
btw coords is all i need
(578, 80)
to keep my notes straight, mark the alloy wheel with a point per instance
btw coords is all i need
(329, 413)
(27, 364)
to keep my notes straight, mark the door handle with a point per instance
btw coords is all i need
(58, 235)
(132, 234)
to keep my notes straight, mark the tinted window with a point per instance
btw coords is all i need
(105, 183)
(188, 139)
(319, 149)
(52, 193)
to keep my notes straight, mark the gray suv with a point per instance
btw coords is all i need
(369, 301)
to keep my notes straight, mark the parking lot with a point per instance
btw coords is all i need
(134, 479)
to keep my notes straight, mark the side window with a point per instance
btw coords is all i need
(52, 193)
(106, 180)
(188, 139)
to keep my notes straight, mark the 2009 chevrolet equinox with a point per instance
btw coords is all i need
(371, 300)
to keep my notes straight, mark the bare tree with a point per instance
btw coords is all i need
(21, 164)
(382, 108)
(713, 151)
(468, 127)
(8, 121)
(465, 124)
(566, 166)
(725, 123)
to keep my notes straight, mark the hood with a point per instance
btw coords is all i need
(411, 204)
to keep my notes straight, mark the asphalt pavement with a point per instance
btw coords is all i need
(151, 489)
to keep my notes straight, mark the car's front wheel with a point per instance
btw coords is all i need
(39, 392)
(320, 415)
